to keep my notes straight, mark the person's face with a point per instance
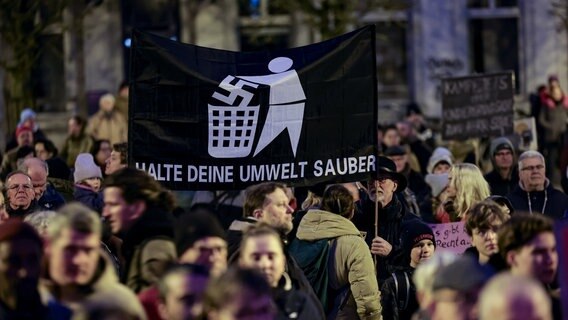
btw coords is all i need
(210, 252)
(381, 190)
(246, 306)
(400, 162)
(113, 163)
(391, 138)
(20, 260)
(20, 191)
(504, 159)
(120, 214)
(183, 300)
(421, 252)
(103, 154)
(3, 214)
(94, 183)
(73, 257)
(73, 128)
(404, 129)
(532, 173)
(265, 254)
(485, 240)
(449, 304)
(39, 181)
(106, 105)
(276, 211)
(25, 138)
(520, 307)
(451, 189)
(441, 167)
(41, 152)
(537, 259)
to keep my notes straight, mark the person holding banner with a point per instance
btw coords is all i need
(384, 238)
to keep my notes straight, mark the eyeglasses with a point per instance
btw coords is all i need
(531, 168)
(17, 186)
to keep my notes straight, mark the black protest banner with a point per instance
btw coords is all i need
(477, 106)
(204, 119)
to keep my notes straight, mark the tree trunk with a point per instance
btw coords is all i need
(78, 41)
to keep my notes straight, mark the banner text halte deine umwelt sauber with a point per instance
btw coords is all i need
(258, 172)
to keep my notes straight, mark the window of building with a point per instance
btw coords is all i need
(392, 62)
(391, 51)
(494, 37)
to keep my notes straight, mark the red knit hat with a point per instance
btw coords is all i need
(22, 129)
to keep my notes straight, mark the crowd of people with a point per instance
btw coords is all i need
(84, 236)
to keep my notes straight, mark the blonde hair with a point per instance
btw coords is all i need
(312, 201)
(470, 185)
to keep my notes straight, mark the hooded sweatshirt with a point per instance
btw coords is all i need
(554, 202)
(499, 185)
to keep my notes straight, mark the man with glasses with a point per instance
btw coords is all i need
(20, 194)
(392, 216)
(535, 193)
(45, 194)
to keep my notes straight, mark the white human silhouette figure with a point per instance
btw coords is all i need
(286, 103)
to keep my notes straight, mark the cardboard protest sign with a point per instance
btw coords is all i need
(451, 237)
(477, 106)
(208, 119)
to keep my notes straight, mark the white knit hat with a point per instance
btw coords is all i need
(86, 168)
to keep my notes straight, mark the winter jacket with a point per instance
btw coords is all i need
(89, 197)
(392, 303)
(104, 289)
(50, 199)
(297, 277)
(75, 145)
(108, 125)
(352, 265)
(555, 202)
(391, 220)
(148, 249)
(293, 303)
(500, 186)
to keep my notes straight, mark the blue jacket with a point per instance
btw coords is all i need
(88, 197)
(51, 199)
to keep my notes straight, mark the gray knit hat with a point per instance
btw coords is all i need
(86, 168)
